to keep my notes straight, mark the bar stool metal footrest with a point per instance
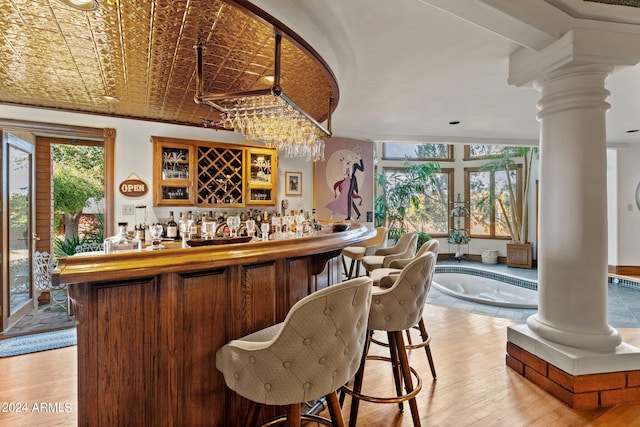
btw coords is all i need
(396, 399)
(425, 342)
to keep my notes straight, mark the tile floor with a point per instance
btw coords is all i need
(48, 317)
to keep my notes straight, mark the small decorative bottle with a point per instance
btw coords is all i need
(122, 241)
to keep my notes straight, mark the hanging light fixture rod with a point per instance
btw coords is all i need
(221, 101)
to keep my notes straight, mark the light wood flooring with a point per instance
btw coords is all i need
(474, 387)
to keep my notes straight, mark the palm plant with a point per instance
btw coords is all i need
(401, 192)
(515, 206)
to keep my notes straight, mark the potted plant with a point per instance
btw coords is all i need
(513, 201)
(423, 238)
(458, 237)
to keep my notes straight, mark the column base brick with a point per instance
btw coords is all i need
(577, 391)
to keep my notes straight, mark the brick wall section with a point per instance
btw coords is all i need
(579, 391)
(44, 195)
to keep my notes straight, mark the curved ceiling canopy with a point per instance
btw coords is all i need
(141, 52)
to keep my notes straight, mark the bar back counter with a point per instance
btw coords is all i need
(150, 322)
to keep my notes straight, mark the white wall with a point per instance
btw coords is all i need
(296, 165)
(612, 206)
(628, 214)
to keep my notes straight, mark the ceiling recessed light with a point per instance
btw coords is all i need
(633, 130)
(84, 5)
(454, 122)
(110, 99)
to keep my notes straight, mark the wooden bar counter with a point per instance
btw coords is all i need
(150, 322)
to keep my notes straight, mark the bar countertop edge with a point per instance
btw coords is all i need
(132, 265)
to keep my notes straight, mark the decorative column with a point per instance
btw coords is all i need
(567, 347)
(572, 249)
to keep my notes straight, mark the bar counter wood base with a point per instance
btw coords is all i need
(150, 322)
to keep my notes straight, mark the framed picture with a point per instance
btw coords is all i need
(293, 183)
(344, 182)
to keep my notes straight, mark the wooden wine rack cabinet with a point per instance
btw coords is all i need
(215, 175)
(220, 176)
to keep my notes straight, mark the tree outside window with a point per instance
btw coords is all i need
(414, 199)
(78, 176)
(484, 190)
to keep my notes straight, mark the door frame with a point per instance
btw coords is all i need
(107, 135)
(28, 147)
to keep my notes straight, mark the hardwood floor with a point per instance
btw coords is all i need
(47, 378)
(474, 386)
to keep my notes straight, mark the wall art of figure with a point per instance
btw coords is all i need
(344, 181)
(345, 185)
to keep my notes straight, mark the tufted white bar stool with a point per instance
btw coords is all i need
(357, 252)
(385, 277)
(394, 310)
(311, 354)
(405, 247)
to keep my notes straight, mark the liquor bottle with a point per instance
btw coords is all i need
(306, 225)
(198, 223)
(172, 227)
(191, 225)
(122, 241)
(182, 226)
(139, 231)
(314, 220)
(265, 227)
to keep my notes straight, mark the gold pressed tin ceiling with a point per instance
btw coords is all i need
(141, 52)
(630, 3)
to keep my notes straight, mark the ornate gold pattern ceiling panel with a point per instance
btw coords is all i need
(631, 3)
(141, 52)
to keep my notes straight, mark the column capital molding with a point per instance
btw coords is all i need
(573, 87)
(578, 46)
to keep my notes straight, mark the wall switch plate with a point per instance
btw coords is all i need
(127, 209)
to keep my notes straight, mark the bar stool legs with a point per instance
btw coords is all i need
(349, 272)
(294, 415)
(403, 374)
(252, 414)
(426, 341)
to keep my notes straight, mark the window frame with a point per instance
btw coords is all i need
(450, 172)
(449, 157)
(467, 152)
(467, 194)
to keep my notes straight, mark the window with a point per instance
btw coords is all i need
(472, 152)
(417, 211)
(412, 151)
(484, 190)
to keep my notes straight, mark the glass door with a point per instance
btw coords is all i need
(17, 239)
